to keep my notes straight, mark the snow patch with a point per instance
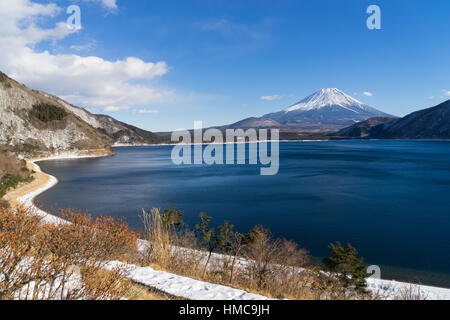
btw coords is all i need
(182, 287)
(326, 98)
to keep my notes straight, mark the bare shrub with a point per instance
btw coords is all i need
(256, 262)
(17, 243)
(411, 292)
(169, 247)
(273, 265)
(63, 261)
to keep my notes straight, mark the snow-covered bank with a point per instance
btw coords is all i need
(381, 289)
(182, 287)
(28, 199)
(390, 289)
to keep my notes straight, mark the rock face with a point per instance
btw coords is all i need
(326, 109)
(77, 130)
(119, 132)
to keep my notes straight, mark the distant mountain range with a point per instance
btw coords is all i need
(33, 121)
(431, 123)
(326, 110)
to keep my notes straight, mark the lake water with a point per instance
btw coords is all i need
(390, 199)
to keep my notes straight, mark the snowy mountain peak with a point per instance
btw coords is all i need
(326, 98)
(326, 110)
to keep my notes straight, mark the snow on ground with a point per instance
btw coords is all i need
(27, 200)
(390, 289)
(182, 287)
(382, 289)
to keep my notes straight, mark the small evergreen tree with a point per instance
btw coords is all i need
(231, 242)
(172, 218)
(346, 267)
(207, 236)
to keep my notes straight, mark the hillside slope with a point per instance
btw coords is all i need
(431, 123)
(119, 132)
(363, 129)
(257, 123)
(33, 121)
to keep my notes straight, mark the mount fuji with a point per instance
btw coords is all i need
(327, 109)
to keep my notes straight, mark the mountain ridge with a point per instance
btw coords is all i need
(429, 123)
(76, 129)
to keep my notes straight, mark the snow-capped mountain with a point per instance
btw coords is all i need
(327, 109)
(330, 97)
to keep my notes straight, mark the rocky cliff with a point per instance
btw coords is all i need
(32, 121)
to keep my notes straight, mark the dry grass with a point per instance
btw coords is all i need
(62, 261)
(140, 292)
(275, 268)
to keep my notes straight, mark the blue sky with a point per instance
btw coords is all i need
(218, 58)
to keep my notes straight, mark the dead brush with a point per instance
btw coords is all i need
(169, 248)
(255, 262)
(63, 261)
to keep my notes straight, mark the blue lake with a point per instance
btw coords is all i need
(390, 199)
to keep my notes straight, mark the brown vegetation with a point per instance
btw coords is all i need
(256, 262)
(9, 164)
(67, 260)
(63, 261)
(12, 172)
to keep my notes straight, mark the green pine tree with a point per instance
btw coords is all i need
(207, 236)
(346, 267)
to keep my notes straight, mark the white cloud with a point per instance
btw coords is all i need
(112, 109)
(108, 4)
(145, 111)
(84, 47)
(368, 94)
(446, 92)
(271, 98)
(431, 97)
(87, 81)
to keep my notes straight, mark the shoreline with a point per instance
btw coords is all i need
(119, 145)
(25, 194)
